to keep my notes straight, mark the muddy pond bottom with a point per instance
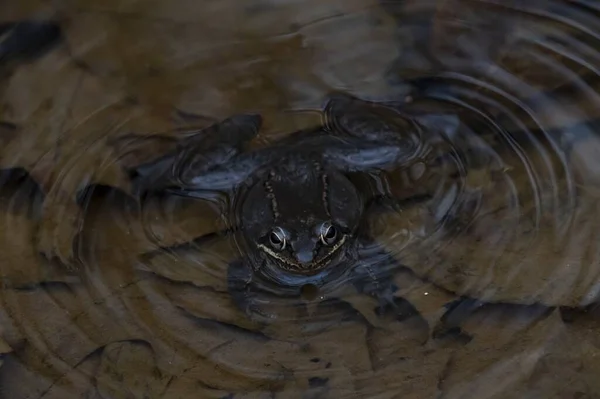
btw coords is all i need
(483, 278)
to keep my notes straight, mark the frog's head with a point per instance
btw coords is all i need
(299, 223)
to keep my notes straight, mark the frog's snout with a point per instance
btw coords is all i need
(305, 257)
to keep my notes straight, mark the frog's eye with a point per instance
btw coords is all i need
(328, 233)
(277, 238)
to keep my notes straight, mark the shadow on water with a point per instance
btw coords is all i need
(316, 199)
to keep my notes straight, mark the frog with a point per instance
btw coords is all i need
(298, 207)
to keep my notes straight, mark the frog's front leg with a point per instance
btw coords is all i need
(239, 278)
(443, 311)
(239, 284)
(380, 276)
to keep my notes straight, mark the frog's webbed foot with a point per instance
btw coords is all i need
(452, 318)
(198, 160)
(443, 311)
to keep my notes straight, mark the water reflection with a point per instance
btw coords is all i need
(494, 287)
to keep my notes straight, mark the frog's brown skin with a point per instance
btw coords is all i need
(297, 214)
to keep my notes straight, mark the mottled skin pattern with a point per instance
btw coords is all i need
(297, 211)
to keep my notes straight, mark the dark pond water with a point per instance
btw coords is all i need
(477, 277)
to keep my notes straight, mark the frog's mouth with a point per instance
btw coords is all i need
(292, 266)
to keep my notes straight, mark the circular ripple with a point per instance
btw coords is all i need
(512, 217)
(513, 208)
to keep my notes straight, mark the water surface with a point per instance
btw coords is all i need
(104, 297)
